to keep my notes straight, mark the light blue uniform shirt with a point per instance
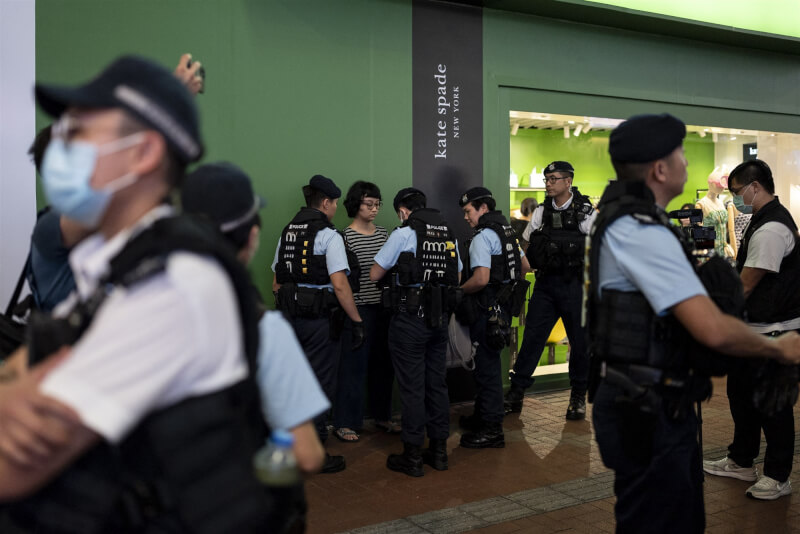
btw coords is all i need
(647, 258)
(403, 239)
(330, 243)
(485, 244)
(290, 393)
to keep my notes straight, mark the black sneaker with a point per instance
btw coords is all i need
(512, 402)
(577, 408)
(333, 464)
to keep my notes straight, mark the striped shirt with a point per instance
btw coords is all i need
(365, 247)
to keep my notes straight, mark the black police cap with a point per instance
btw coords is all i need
(148, 91)
(222, 192)
(559, 166)
(325, 185)
(475, 193)
(646, 138)
(403, 194)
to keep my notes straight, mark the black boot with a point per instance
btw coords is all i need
(577, 407)
(436, 454)
(490, 436)
(512, 402)
(410, 462)
(470, 423)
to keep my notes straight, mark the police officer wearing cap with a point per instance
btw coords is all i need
(419, 268)
(556, 234)
(155, 400)
(645, 304)
(496, 268)
(311, 281)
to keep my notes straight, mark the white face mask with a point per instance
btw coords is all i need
(67, 172)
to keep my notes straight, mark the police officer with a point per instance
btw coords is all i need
(769, 264)
(556, 235)
(645, 305)
(495, 267)
(311, 270)
(159, 374)
(421, 259)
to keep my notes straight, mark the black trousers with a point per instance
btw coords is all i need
(418, 355)
(553, 296)
(323, 356)
(749, 422)
(658, 477)
(488, 374)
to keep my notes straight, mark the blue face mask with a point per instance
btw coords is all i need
(67, 170)
(738, 201)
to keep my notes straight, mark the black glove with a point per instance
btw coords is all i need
(358, 335)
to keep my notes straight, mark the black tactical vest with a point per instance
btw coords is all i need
(296, 259)
(436, 259)
(506, 265)
(776, 297)
(559, 246)
(623, 327)
(167, 475)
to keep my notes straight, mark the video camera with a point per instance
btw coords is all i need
(701, 237)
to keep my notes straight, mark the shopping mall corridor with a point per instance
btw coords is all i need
(549, 478)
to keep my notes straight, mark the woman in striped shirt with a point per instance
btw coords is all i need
(365, 238)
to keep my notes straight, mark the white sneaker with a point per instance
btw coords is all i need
(769, 489)
(728, 468)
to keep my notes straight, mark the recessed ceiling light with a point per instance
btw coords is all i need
(571, 122)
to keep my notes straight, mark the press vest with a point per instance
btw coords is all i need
(436, 258)
(776, 297)
(167, 474)
(507, 265)
(559, 245)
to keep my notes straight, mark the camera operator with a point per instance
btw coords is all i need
(762, 395)
(645, 305)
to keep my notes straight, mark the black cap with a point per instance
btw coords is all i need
(325, 185)
(559, 166)
(403, 194)
(146, 90)
(474, 194)
(646, 138)
(223, 192)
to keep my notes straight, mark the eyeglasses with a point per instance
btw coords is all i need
(739, 191)
(553, 179)
(372, 205)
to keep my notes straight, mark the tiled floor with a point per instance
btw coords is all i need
(548, 478)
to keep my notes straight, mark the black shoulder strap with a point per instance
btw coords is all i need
(147, 253)
(18, 288)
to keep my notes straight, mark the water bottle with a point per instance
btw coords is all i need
(275, 463)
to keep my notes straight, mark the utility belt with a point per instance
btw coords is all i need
(433, 302)
(306, 302)
(650, 389)
(507, 297)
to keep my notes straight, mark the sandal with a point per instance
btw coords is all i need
(390, 427)
(345, 434)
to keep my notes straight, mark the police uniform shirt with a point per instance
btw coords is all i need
(330, 243)
(768, 246)
(485, 244)
(403, 239)
(290, 393)
(536, 219)
(175, 335)
(647, 258)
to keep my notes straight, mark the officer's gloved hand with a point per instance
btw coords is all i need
(359, 335)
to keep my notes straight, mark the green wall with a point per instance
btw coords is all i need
(294, 88)
(588, 153)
